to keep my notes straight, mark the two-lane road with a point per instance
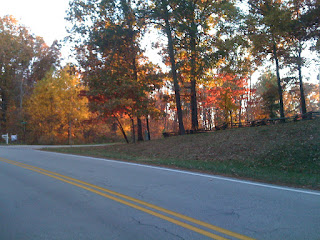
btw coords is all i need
(54, 196)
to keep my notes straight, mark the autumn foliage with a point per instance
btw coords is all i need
(55, 110)
(210, 49)
(226, 92)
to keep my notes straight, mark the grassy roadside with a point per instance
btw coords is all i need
(286, 154)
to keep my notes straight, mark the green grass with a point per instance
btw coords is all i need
(287, 154)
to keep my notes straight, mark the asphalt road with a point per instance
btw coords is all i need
(54, 196)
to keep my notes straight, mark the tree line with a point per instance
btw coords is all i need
(211, 48)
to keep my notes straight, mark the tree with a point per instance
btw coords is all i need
(119, 78)
(299, 31)
(161, 14)
(292, 97)
(266, 90)
(55, 108)
(24, 59)
(308, 23)
(267, 26)
(201, 27)
(198, 28)
(226, 93)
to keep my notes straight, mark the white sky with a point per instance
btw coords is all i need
(45, 18)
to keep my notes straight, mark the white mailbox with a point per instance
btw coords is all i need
(6, 138)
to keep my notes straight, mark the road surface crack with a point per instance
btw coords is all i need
(159, 228)
(259, 231)
(142, 192)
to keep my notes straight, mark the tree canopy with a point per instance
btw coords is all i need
(24, 60)
(56, 108)
(211, 49)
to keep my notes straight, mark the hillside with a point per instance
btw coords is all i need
(284, 153)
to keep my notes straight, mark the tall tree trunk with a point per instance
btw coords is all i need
(165, 118)
(4, 107)
(133, 130)
(130, 21)
(122, 130)
(240, 113)
(148, 128)
(173, 70)
(204, 114)
(210, 118)
(302, 97)
(248, 108)
(275, 56)
(140, 134)
(194, 107)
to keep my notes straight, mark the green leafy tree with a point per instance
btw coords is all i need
(266, 90)
(299, 31)
(308, 25)
(268, 22)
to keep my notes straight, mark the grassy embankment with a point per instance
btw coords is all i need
(287, 154)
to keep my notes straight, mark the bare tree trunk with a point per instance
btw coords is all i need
(204, 117)
(148, 129)
(210, 119)
(173, 70)
(126, 5)
(140, 134)
(240, 112)
(194, 107)
(248, 109)
(122, 130)
(279, 82)
(4, 108)
(302, 97)
(165, 118)
(133, 137)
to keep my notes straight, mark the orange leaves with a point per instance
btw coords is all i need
(225, 93)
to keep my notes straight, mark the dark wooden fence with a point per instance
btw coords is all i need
(253, 123)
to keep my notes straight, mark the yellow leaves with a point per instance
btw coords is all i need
(56, 103)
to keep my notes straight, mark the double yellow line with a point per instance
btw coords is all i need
(138, 204)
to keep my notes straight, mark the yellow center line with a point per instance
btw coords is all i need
(188, 226)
